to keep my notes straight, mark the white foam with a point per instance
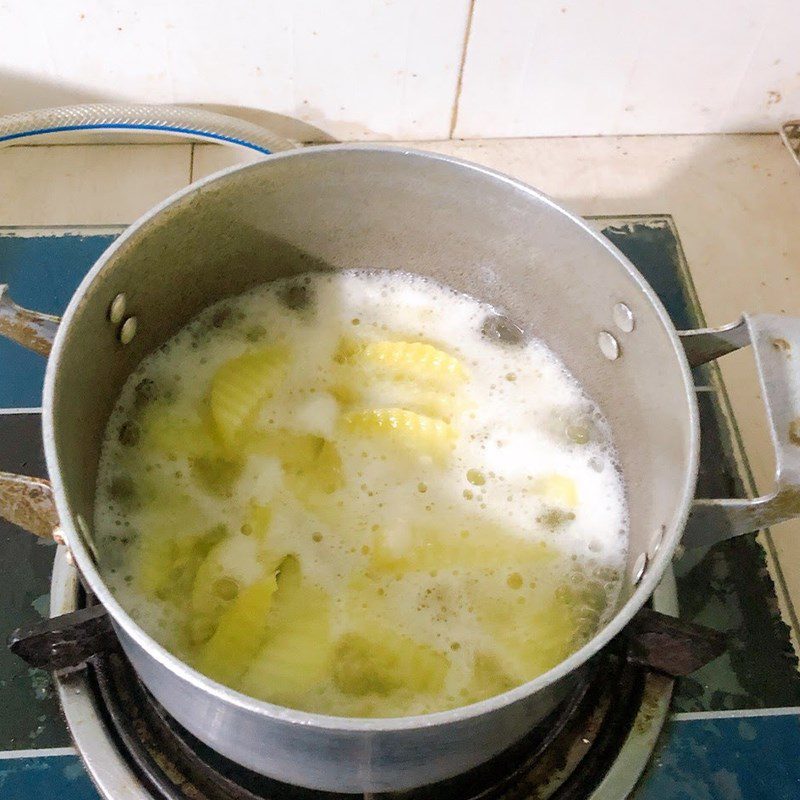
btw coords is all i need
(512, 421)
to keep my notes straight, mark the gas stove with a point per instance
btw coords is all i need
(126, 739)
(730, 730)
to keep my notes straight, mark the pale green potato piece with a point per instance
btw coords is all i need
(374, 660)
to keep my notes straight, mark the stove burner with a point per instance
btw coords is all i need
(594, 747)
(578, 741)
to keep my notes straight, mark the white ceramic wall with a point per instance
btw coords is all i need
(420, 69)
(585, 67)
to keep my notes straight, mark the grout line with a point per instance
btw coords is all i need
(55, 229)
(740, 713)
(9, 411)
(460, 80)
(40, 753)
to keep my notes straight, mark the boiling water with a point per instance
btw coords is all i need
(362, 495)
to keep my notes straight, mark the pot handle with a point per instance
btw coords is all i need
(776, 347)
(31, 329)
(27, 502)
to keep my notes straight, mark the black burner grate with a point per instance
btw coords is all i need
(571, 748)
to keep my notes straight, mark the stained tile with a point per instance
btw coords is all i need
(29, 712)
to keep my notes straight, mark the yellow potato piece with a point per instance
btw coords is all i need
(529, 640)
(216, 586)
(345, 394)
(216, 474)
(296, 651)
(558, 489)
(167, 431)
(414, 361)
(477, 546)
(174, 435)
(414, 431)
(240, 386)
(156, 556)
(290, 601)
(313, 467)
(443, 405)
(532, 655)
(295, 655)
(239, 635)
(489, 678)
(419, 398)
(257, 520)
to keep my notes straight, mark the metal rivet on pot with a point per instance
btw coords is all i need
(609, 346)
(623, 317)
(655, 542)
(116, 311)
(128, 330)
(639, 566)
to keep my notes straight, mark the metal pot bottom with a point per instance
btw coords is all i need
(595, 746)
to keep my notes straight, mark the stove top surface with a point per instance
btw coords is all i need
(735, 727)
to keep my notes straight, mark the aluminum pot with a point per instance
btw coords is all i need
(480, 232)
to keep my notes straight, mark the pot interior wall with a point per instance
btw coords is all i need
(346, 207)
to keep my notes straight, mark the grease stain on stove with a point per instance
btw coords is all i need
(794, 431)
(41, 683)
(781, 344)
(41, 605)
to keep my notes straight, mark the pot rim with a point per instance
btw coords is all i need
(290, 716)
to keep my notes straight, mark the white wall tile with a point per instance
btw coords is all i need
(89, 184)
(359, 69)
(210, 158)
(586, 67)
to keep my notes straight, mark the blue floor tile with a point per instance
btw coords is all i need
(731, 758)
(45, 777)
(42, 273)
